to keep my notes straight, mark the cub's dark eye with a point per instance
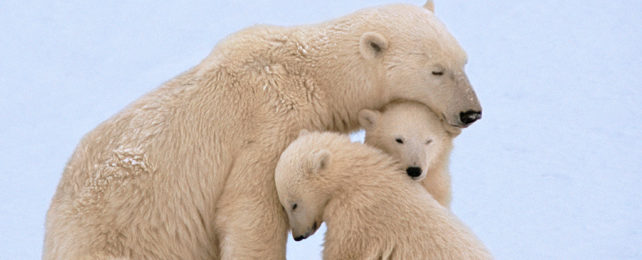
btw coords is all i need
(437, 73)
(428, 141)
(398, 140)
(294, 206)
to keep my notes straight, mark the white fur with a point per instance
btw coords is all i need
(186, 171)
(372, 210)
(426, 142)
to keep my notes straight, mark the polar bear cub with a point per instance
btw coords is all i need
(371, 208)
(418, 139)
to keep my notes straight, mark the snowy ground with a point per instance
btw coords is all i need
(552, 171)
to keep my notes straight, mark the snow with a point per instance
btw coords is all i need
(552, 171)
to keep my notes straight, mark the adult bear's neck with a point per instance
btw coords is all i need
(344, 82)
(316, 70)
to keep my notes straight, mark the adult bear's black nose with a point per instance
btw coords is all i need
(413, 171)
(469, 116)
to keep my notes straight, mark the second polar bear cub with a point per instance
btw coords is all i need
(414, 135)
(371, 208)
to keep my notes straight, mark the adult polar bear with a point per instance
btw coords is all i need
(187, 171)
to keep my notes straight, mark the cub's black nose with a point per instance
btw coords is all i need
(469, 116)
(413, 171)
(299, 238)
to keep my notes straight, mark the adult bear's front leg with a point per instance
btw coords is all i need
(250, 222)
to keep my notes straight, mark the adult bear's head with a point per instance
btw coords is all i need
(420, 61)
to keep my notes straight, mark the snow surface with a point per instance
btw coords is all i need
(552, 171)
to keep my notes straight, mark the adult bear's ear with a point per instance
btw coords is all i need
(368, 118)
(372, 44)
(430, 6)
(319, 161)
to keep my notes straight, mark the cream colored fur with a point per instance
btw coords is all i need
(372, 209)
(426, 142)
(186, 171)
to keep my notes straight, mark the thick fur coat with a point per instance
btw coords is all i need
(187, 171)
(372, 210)
(418, 139)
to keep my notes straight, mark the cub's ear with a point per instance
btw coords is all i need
(430, 6)
(319, 161)
(368, 118)
(372, 44)
(303, 132)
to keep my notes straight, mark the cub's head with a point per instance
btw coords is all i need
(409, 132)
(419, 60)
(302, 189)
